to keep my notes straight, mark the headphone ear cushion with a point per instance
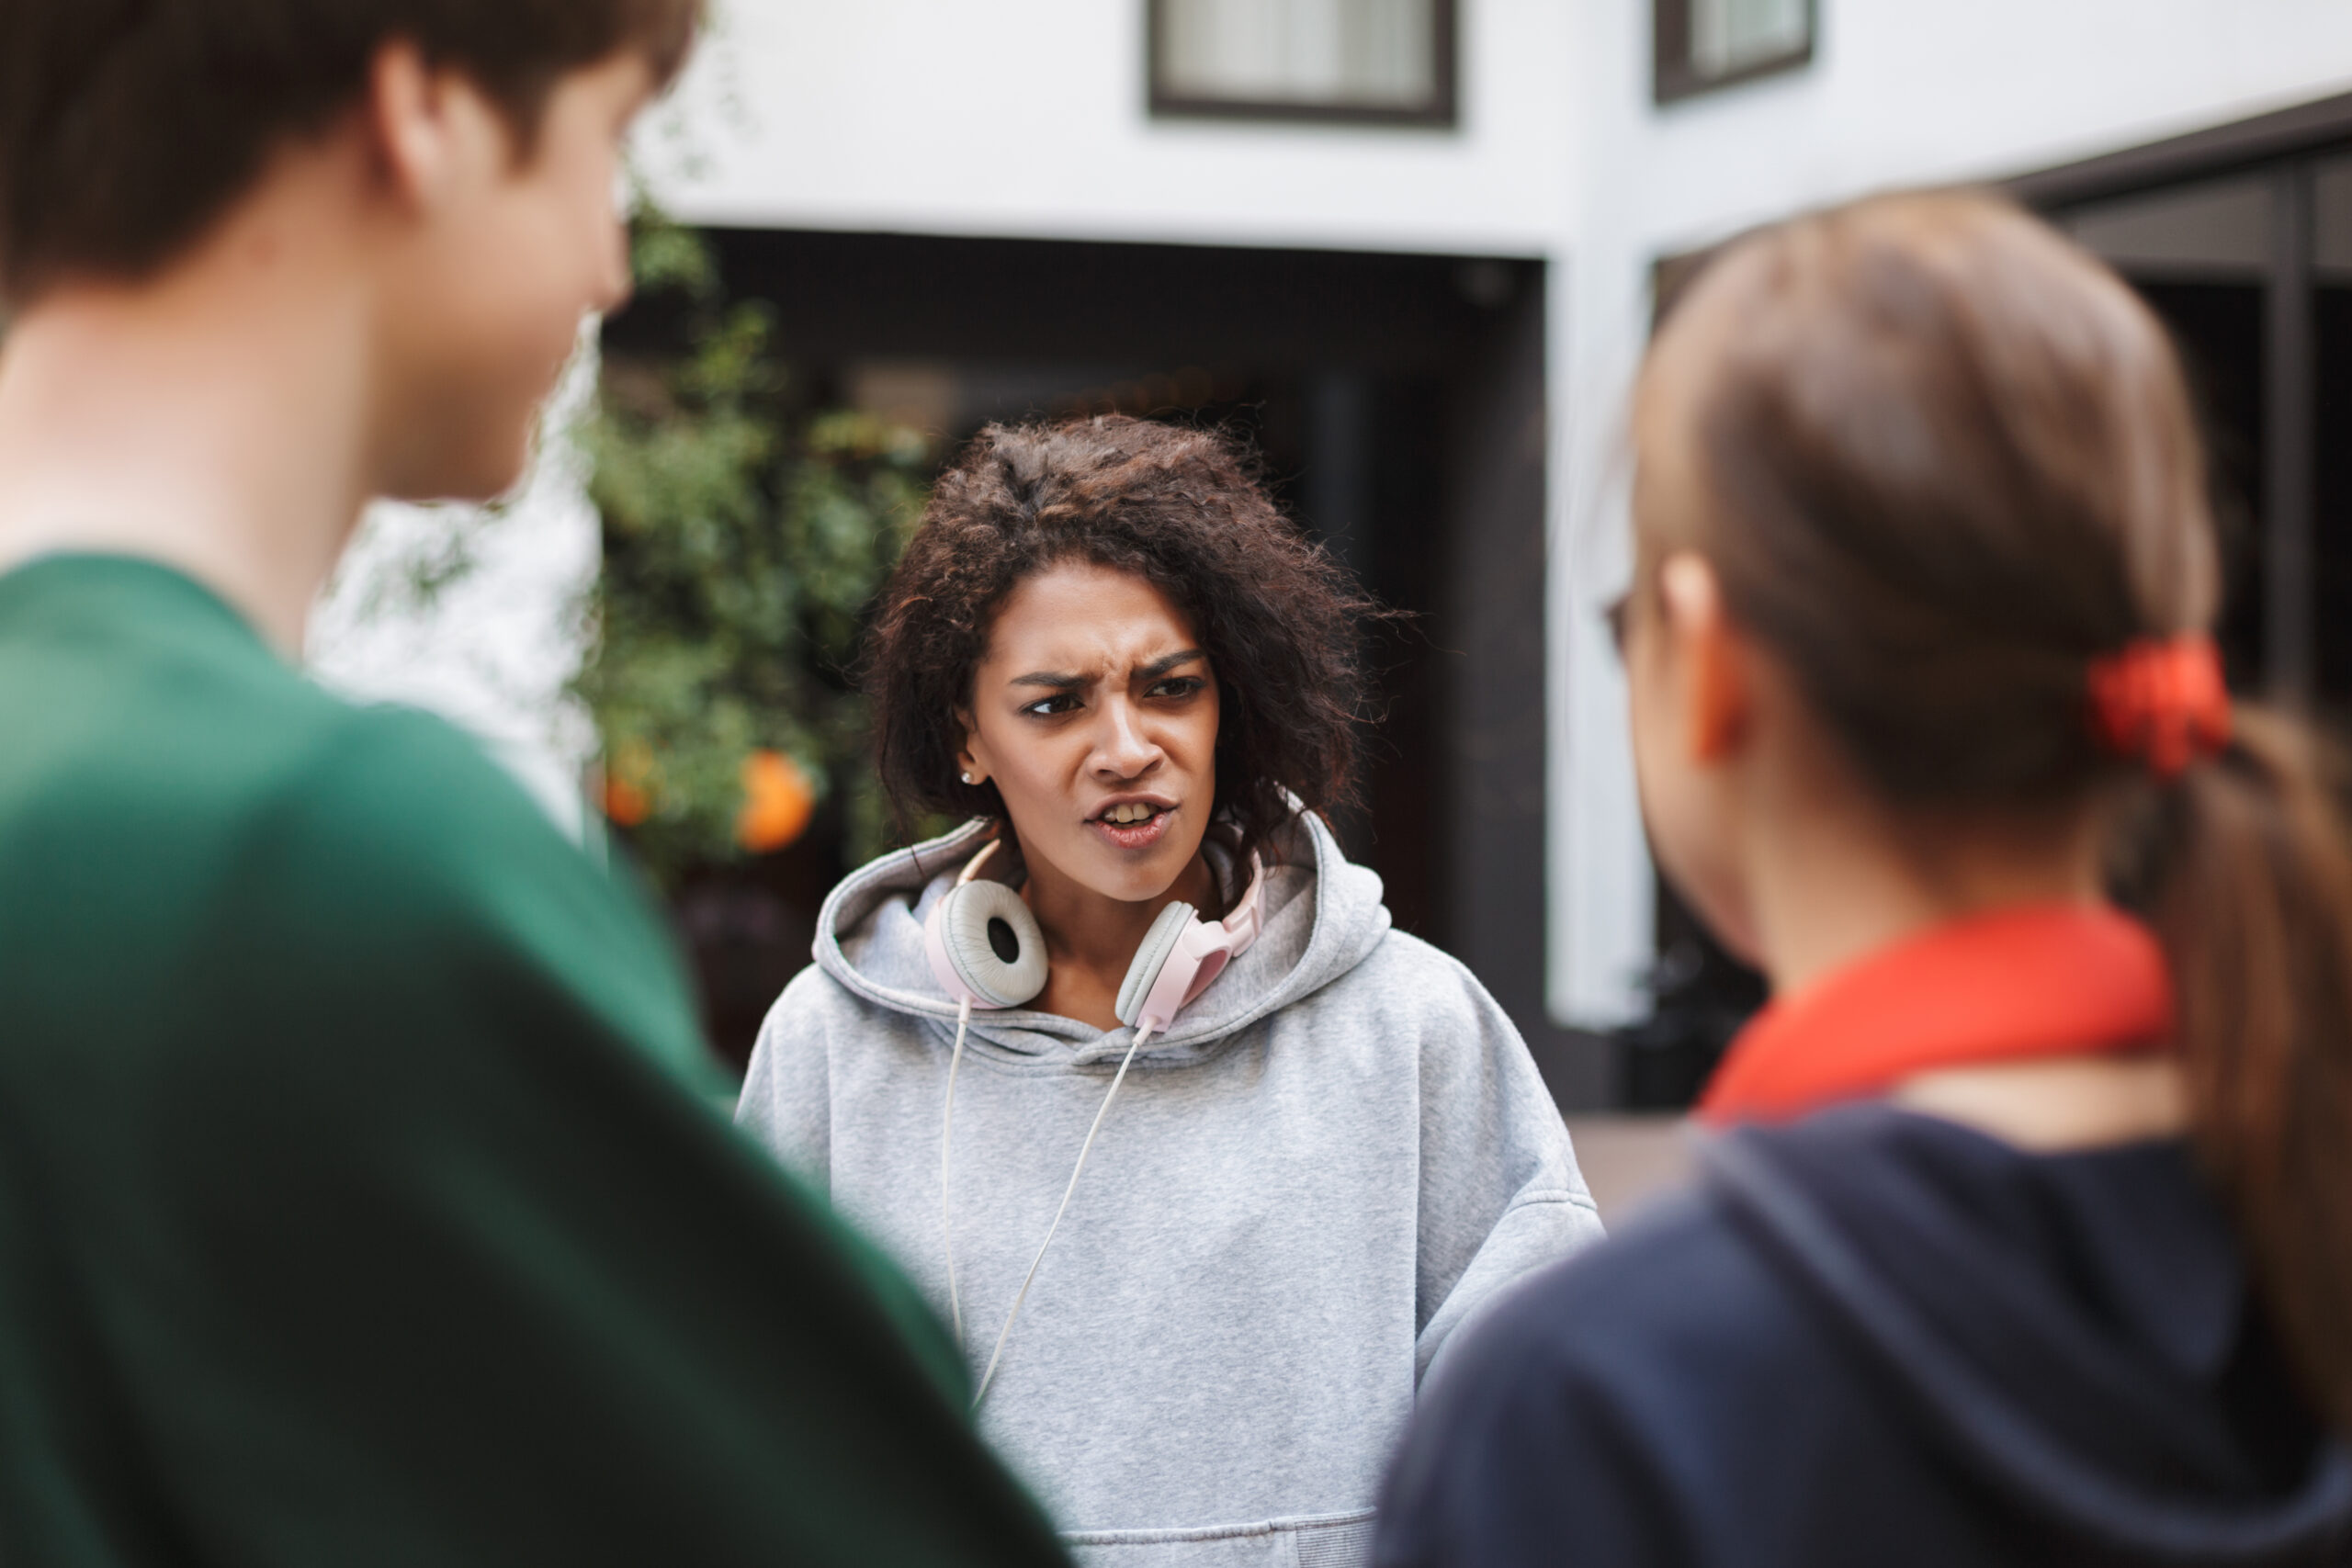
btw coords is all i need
(978, 921)
(1158, 943)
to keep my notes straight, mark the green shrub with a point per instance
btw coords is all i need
(745, 533)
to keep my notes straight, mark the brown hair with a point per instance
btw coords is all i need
(1948, 460)
(128, 126)
(1177, 507)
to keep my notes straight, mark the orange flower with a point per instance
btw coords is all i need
(777, 800)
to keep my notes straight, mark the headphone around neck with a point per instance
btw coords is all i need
(985, 948)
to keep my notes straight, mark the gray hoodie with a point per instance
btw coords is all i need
(1331, 1161)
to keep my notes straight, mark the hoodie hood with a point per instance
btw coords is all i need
(2077, 1329)
(1323, 916)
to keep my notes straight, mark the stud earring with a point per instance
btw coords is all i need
(970, 780)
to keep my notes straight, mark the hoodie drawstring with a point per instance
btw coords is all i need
(947, 1133)
(946, 1220)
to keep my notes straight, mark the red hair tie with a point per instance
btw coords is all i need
(2162, 701)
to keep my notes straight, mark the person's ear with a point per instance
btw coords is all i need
(1716, 691)
(428, 128)
(973, 770)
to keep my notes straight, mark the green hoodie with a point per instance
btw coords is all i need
(361, 1198)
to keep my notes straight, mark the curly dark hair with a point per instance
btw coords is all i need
(1184, 510)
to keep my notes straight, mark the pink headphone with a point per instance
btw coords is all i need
(985, 948)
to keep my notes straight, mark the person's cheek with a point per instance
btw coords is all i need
(1653, 764)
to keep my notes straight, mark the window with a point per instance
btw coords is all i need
(1372, 61)
(1704, 44)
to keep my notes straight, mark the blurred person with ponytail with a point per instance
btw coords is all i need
(2027, 1233)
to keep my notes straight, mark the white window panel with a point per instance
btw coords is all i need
(1729, 36)
(1337, 54)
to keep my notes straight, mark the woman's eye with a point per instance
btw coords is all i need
(1177, 686)
(1046, 707)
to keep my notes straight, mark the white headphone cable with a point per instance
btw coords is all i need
(946, 1136)
(988, 1377)
(947, 1121)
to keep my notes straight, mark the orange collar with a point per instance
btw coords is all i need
(2046, 980)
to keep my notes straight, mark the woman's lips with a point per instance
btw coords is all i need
(1134, 835)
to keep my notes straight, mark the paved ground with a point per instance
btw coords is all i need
(1631, 1160)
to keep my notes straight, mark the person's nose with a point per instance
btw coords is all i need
(1124, 750)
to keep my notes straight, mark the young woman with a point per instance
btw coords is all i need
(2033, 1243)
(1312, 1146)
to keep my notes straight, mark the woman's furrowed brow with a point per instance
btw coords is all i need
(1162, 665)
(1054, 681)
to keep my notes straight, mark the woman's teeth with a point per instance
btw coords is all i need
(1127, 813)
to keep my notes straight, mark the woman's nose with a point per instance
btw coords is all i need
(1123, 748)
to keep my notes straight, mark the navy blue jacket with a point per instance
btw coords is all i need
(1875, 1337)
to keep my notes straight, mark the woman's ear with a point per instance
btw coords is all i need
(1715, 688)
(973, 770)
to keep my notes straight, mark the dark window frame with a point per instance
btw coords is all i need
(1443, 114)
(1674, 78)
(2302, 130)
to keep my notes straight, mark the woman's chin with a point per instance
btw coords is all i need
(1127, 878)
(1135, 889)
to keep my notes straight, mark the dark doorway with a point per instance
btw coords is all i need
(2218, 330)
(1397, 401)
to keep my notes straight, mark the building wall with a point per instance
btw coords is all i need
(1025, 119)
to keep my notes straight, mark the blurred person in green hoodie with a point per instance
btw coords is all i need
(361, 1199)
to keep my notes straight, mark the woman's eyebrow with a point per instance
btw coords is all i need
(1052, 682)
(1161, 666)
